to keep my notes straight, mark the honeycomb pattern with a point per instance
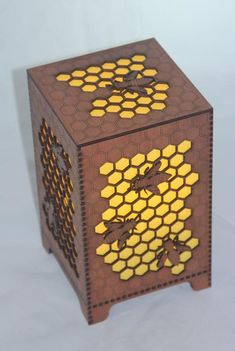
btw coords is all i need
(127, 104)
(159, 218)
(58, 206)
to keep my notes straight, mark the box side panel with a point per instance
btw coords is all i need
(168, 218)
(56, 161)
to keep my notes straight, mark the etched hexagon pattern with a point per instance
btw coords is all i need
(126, 103)
(159, 216)
(58, 206)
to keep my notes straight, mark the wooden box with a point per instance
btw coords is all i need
(123, 152)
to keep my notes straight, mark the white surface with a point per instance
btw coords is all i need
(38, 308)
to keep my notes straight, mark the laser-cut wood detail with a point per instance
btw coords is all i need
(135, 88)
(102, 130)
(58, 206)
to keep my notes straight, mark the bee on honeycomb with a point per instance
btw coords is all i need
(158, 212)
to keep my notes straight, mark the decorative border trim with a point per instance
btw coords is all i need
(84, 237)
(151, 288)
(210, 199)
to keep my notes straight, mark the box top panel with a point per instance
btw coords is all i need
(117, 91)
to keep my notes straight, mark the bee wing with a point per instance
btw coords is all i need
(113, 232)
(161, 259)
(152, 172)
(132, 89)
(109, 237)
(157, 164)
(174, 257)
(122, 240)
(181, 247)
(131, 75)
(154, 189)
(62, 164)
(162, 177)
(142, 90)
(112, 225)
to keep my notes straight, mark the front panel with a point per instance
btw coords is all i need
(147, 209)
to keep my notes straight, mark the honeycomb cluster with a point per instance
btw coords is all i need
(126, 104)
(58, 189)
(159, 217)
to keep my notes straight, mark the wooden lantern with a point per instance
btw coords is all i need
(123, 152)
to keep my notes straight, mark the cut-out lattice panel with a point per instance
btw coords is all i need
(125, 96)
(58, 206)
(146, 196)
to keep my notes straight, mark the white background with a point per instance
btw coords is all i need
(38, 308)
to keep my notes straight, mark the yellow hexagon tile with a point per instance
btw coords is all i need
(141, 227)
(100, 103)
(184, 146)
(123, 187)
(130, 173)
(163, 231)
(115, 178)
(177, 227)
(78, 73)
(119, 266)
(76, 83)
(150, 218)
(111, 257)
(63, 77)
(131, 196)
(100, 228)
(141, 269)
(140, 205)
(133, 261)
(148, 257)
(107, 168)
(108, 191)
(169, 150)
(148, 236)
(155, 244)
(138, 58)
(126, 274)
(185, 235)
(177, 269)
(141, 248)
(116, 200)
(185, 256)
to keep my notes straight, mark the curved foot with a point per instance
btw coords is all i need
(45, 244)
(98, 314)
(200, 282)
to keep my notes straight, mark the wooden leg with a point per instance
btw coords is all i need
(94, 314)
(201, 282)
(99, 313)
(45, 244)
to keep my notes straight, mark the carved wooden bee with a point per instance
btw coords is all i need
(120, 231)
(60, 159)
(151, 179)
(171, 250)
(49, 211)
(132, 84)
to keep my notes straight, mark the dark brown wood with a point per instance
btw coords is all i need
(124, 175)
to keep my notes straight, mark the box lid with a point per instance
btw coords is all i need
(117, 91)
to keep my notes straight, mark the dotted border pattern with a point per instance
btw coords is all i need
(84, 236)
(210, 198)
(152, 288)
